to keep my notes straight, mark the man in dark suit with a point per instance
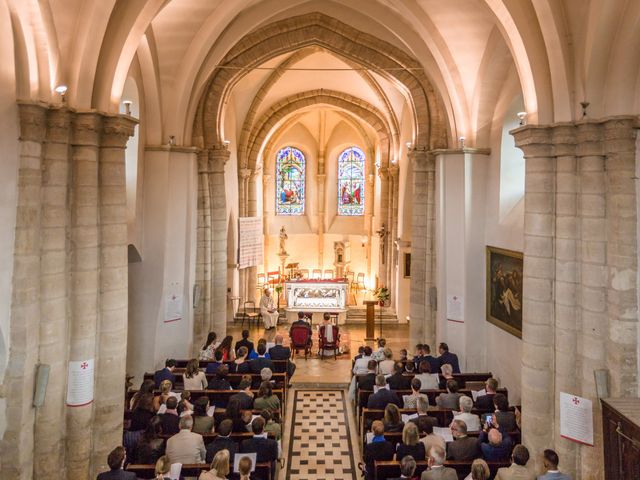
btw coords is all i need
(383, 396)
(407, 468)
(398, 381)
(434, 363)
(245, 396)
(266, 449)
(170, 420)
(166, 373)
(257, 364)
(423, 421)
(222, 442)
(115, 460)
(495, 447)
(377, 449)
(244, 342)
(485, 402)
(463, 448)
(278, 352)
(368, 380)
(212, 367)
(447, 357)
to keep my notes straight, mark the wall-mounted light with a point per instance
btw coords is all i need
(461, 140)
(363, 240)
(62, 91)
(127, 106)
(409, 145)
(584, 105)
(172, 140)
(226, 143)
(523, 117)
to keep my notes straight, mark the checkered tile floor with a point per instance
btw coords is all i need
(320, 446)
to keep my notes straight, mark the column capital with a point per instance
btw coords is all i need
(422, 160)
(383, 172)
(218, 158)
(244, 173)
(58, 123)
(394, 170)
(116, 130)
(87, 127)
(533, 140)
(266, 179)
(33, 120)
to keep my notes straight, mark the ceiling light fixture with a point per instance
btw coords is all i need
(523, 117)
(62, 91)
(127, 106)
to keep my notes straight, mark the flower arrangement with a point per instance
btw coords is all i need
(382, 294)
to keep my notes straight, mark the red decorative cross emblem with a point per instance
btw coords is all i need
(576, 401)
(84, 365)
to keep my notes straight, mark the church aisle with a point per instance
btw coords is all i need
(321, 437)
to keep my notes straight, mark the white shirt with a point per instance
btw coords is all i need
(361, 366)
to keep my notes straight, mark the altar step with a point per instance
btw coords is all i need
(358, 315)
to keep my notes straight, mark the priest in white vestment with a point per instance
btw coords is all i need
(268, 310)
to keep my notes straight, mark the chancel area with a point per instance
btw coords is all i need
(319, 239)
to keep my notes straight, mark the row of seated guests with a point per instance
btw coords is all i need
(422, 353)
(518, 469)
(220, 466)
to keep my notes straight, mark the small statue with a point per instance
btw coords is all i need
(283, 239)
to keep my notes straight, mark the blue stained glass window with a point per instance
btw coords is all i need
(351, 182)
(290, 181)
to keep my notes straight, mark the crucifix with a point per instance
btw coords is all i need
(382, 233)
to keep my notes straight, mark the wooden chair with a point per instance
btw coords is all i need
(324, 344)
(316, 274)
(300, 339)
(350, 276)
(360, 282)
(328, 275)
(305, 273)
(250, 315)
(260, 282)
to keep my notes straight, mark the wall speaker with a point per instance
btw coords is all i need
(433, 297)
(42, 379)
(602, 382)
(196, 295)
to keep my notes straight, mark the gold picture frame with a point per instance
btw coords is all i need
(504, 289)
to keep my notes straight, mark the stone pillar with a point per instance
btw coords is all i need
(267, 204)
(422, 328)
(385, 244)
(218, 157)
(321, 201)
(369, 206)
(567, 275)
(539, 275)
(85, 286)
(202, 313)
(113, 320)
(252, 211)
(243, 189)
(17, 448)
(593, 270)
(392, 271)
(50, 426)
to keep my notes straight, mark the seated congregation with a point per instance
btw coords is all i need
(424, 418)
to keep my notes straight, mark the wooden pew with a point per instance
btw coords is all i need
(363, 395)
(236, 437)
(233, 378)
(263, 470)
(396, 437)
(461, 378)
(280, 366)
(391, 469)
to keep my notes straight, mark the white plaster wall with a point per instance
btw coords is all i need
(231, 190)
(8, 191)
(168, 263)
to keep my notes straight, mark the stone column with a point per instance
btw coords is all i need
(49, 425)
(622, 306)
(369, 206)
(392, 272)
(85, 274)
(243, 188)
(267, 204)
(218, 157)
(202, 313)
(18, 441)
(113, 319)
(539, 284)
(422, 328)
(252, 211)
(321, 201)
(383, 263)
(567, 275)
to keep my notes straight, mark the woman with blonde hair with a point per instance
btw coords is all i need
(194, 378)
(219, 467)
(479, 470)
(387, 365)
(165, 392)
(163, 467)
(411, 444)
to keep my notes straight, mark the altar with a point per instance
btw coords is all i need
(316, 297)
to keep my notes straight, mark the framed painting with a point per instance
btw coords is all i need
(504, 289)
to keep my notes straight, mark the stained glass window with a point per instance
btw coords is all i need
(351, 182)
(290, 182)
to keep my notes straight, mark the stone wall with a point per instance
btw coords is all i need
(580, 276)
(69, 291)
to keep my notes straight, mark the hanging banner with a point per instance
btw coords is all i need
(80, 383)
(251, 244)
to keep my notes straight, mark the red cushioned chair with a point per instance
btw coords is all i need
(300, 339)
(324, 344)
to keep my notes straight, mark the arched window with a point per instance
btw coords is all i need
(290, 182)
(351, 182)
